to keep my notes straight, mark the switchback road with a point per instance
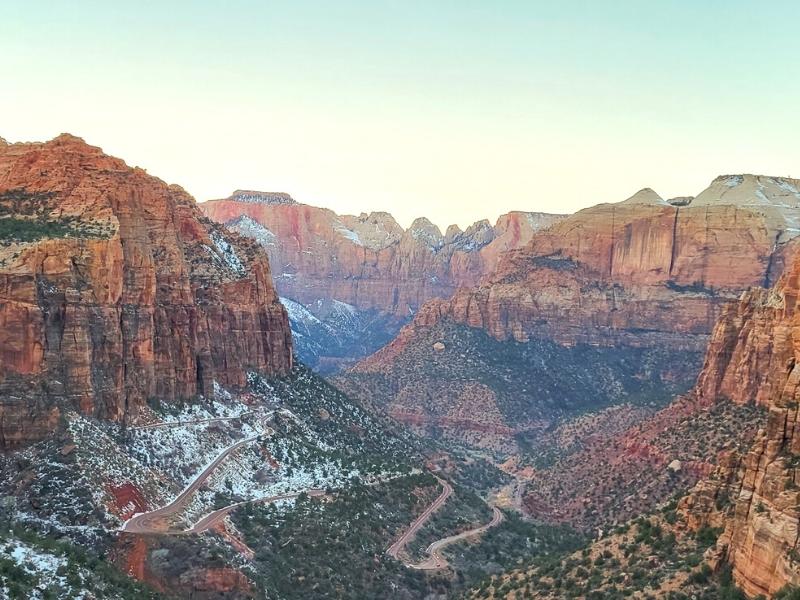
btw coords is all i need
(160, 520)
(435, 559)
(396, 548)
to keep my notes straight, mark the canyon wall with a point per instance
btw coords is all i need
(644, 272)
(755, 497)
(369, 261)
(115, 289)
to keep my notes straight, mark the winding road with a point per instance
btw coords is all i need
(435, 559)
(212, 518)
(396, 548)
(161, 519)
(191, 422)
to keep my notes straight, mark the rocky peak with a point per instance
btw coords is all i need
(525, 224)
(375, 230)
(68, 138)
(453, 232)
(478, 234)
(478, 228)
(426, 232)
(256, 197)
(645, 196)
(751, 190)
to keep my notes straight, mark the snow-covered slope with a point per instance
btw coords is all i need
(329, 335)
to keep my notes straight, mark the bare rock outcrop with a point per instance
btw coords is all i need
(114, 289)
(756, 497)
(642, 272)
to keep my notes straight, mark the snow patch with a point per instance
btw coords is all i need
(253, 229)
(733, 181)
(298, 312)
(227, 254)
(787, 187)
(348, 234)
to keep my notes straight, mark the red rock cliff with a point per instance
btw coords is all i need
(753, 357)
(643, 272)
(114, 288)
(369, 261)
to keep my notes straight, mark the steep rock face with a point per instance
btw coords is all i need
(114, 289)
(641, 272)
(369, 261)
(753, 358)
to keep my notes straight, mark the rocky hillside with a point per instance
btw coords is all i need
(460, 385)
(329, 335)
(368, 262)
(114, 289)
(645, 273)
(744, 515)
(755, 496)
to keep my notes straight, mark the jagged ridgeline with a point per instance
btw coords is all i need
(351, 281)
(612, 304)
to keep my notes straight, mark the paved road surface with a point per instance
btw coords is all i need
(192, 422)
(396, 548)
(436, 560)
(160, 519)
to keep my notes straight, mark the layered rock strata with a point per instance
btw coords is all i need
(115, 289)
(755, 497)
(369, 261)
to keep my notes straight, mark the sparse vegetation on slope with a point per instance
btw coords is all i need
(475, 390)
(651, 557)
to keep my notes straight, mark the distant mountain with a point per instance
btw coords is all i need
(330, 335)
(646, 274)
(369, 262)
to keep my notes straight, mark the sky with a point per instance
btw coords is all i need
(454, 110)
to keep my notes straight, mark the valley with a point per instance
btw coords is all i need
(510, 411)
(399, 300)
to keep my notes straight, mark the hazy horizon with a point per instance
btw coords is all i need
(453, 111)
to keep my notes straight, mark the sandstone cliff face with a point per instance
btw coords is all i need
(369, 261)
(114, 289)
(642, 272)
(753, 358)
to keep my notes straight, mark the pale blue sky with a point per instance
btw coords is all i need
(454, 110)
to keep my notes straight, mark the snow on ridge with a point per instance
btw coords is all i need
(226, 253)
(348, 234)
(298, 312)
(733, 181)
(345, 307)
(256, 197)
(251, 228)
(787, 187)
